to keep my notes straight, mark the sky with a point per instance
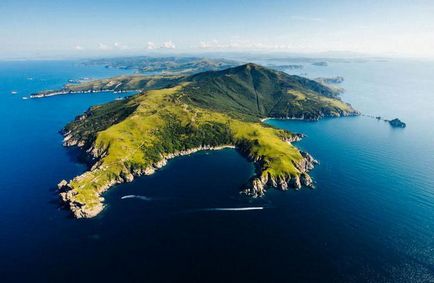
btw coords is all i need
(44, 28)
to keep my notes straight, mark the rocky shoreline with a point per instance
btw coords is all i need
(79, 210)
(259, 184)
(257, 187)
(313, 118)
(64, 92)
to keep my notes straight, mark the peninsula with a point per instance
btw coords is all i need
(206, 111)
(117, 85)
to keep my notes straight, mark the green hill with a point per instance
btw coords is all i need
(256, 91)
(246, 90)
(209, 110)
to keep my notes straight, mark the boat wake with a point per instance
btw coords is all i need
(137, 197)
(232, 208)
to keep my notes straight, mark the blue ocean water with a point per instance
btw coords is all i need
(370, 218)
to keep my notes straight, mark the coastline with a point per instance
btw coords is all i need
(79, 211)
(256, 186)
(287, 118)
(65, 92)
(315, 118)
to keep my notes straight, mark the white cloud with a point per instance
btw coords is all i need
(103, 46)
(242, 45)
(79, 48)
(151, 45)
(168, 45)
(204, 45)
(209, 44)
(121, 46)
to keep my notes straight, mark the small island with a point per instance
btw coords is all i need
(285, 67)
(396, 123)
(206, 111)
(320, 64)
(332, 80)
(332, 83)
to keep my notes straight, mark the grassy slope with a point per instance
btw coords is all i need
(162, 124)
(260, 92)
(98, 118)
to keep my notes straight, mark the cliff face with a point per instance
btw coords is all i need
(209, 111)
(264, 179)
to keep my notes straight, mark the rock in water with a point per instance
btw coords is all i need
(396, 123)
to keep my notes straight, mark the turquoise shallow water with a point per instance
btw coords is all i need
(370, 218)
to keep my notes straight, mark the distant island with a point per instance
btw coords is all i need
(285, 67)
(332, 83)
(332, 80)
(321, 64)
(179, 115)
(165, 65)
